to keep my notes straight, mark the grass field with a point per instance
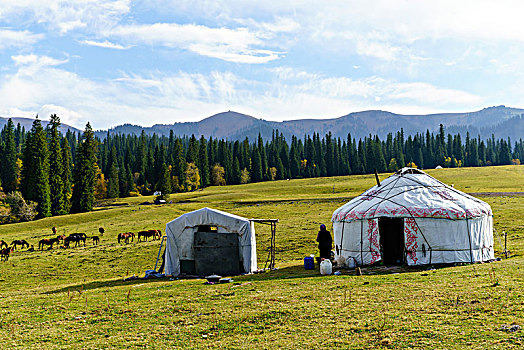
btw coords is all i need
(76, 298)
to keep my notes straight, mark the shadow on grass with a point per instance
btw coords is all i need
(298, 271)
(289, 272)
(105, 284)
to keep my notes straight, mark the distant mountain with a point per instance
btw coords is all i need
(501, 121)
(27, 123)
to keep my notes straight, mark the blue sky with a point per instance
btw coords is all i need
(145, 62)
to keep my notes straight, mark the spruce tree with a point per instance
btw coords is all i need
(256, 166)
(84, 174)
(35, 170)
(164, 183)
(113, 184)
(56, 169)
(203, 162)
(8, 170)
(67, 175)
(237, 172)
(113, 178)
(180, 165)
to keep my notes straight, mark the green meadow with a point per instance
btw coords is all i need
(77, 298)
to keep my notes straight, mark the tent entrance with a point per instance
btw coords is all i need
(391, 232)
(216, 253)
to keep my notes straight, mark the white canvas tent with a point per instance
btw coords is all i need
(181, 235)
(413, 218)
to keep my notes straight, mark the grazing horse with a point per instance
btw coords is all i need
(149, 233)
(18, 242)
(96, 240)
(4, 253)
(3, 243)
(75, 237)
(48, 242)
(101, 230)
(126, 236)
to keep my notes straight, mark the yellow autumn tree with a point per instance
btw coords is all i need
(192, 177)
(218, 175)
(100, 184)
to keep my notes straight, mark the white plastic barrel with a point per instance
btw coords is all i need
(351, 263)
(325, 267)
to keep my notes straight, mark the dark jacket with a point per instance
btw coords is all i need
(324, 239)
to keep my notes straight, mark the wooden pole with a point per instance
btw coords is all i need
(376, 177)
(505, 244)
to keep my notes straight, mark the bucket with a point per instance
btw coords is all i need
(309, 263)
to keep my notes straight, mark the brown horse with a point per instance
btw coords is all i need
(4, 253)
(61, 238)
(149, 233)
(54, 230)
(126, 236)
(49, 242)
(3, 244)
(18, 242)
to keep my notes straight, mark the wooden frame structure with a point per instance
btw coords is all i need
(270, 261)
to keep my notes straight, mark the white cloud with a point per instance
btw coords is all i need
(91, 15)
(234, 45)
(377, 49)
(35, 60)
(105, 44)
(67, 116)
(14, 38)
(167, 98)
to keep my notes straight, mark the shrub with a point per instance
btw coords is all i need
(20, 210)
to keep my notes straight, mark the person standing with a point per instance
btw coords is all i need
(325, 242)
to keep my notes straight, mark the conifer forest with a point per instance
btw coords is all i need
(45, 173)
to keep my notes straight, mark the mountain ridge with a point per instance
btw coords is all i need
(501, 121)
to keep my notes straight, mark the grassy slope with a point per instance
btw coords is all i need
(76, 298)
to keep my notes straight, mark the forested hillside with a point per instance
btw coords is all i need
(45, 172)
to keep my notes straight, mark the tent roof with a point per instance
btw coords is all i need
(412, 193)
(208, 216)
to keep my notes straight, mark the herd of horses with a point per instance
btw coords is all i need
(142, 235)
(77, 238)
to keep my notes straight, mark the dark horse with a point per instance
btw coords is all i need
(18, 242)
(96, 240)
(49, 242)
(75, 237)
(149, 233)
(4, 253)
(126, 236)
(3, 244)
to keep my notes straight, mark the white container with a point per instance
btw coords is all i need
(325, 267)
(351, 263)
(340, 260)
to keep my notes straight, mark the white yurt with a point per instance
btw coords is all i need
(209, 241)
(412, 218)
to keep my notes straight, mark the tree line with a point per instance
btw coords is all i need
(53, 173)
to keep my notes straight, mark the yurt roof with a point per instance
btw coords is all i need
(412, 193)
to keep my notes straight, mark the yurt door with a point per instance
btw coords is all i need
(391, 232)
(216, 253)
